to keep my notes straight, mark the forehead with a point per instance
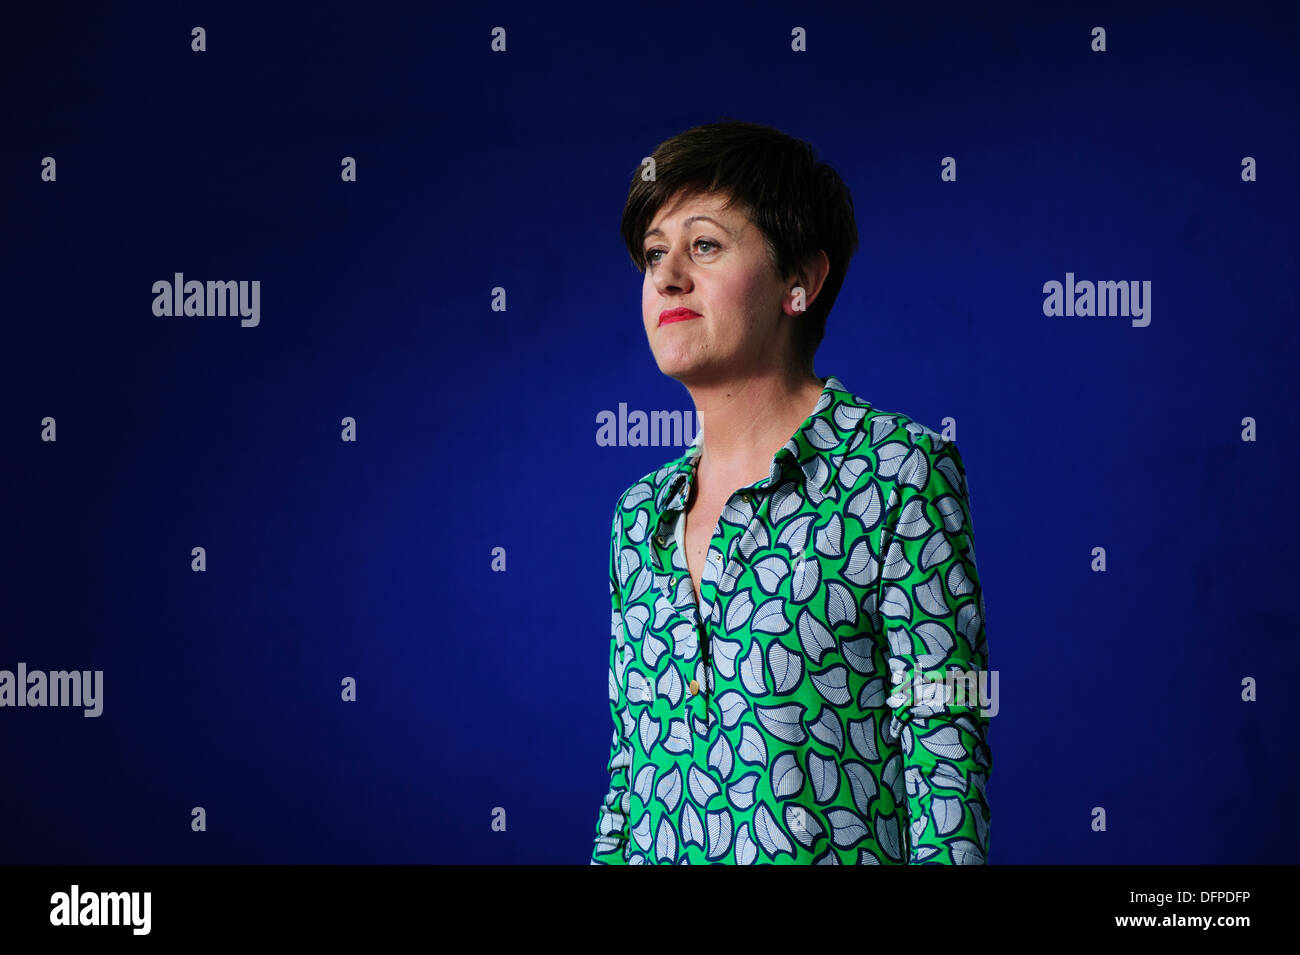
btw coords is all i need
(683, 206)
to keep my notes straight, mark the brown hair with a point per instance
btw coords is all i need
(800, 205)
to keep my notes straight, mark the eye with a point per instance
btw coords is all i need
(650, 253)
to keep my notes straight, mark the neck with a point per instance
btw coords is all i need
(746, 421)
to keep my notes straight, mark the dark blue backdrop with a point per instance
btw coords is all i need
(372, 559)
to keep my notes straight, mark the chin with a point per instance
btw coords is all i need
(684, 370)
(673, 366)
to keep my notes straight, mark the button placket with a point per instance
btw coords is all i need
(716, 612)
(673, 613)
(734, 546)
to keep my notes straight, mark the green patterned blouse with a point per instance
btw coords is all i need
(786, 717)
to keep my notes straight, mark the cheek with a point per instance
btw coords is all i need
(757, 288)
(738, 293)
(647, 297)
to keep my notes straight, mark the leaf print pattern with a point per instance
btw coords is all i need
(776, 721)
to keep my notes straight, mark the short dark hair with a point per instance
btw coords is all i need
(800, 205)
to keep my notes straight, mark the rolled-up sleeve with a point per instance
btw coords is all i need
(932, 612)
(611, 824)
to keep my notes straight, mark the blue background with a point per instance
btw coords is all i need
(476, 428)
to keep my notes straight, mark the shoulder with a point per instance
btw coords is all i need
(899, 449)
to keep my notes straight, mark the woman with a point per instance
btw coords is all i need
(780, 591)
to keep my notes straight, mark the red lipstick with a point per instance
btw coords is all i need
(676, 315)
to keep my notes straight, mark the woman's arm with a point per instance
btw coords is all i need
(934, 621)
(611, 824)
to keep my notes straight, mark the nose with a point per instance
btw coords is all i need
(671, 273)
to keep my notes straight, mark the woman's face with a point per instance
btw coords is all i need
(715, 263)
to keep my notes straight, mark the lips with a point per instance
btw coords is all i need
(676, 315)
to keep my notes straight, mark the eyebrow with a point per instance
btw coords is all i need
(687, 224)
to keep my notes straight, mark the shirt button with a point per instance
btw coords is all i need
(746, 497)
(695, 687)
(660, 539)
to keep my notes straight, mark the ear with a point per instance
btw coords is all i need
(811, 274)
